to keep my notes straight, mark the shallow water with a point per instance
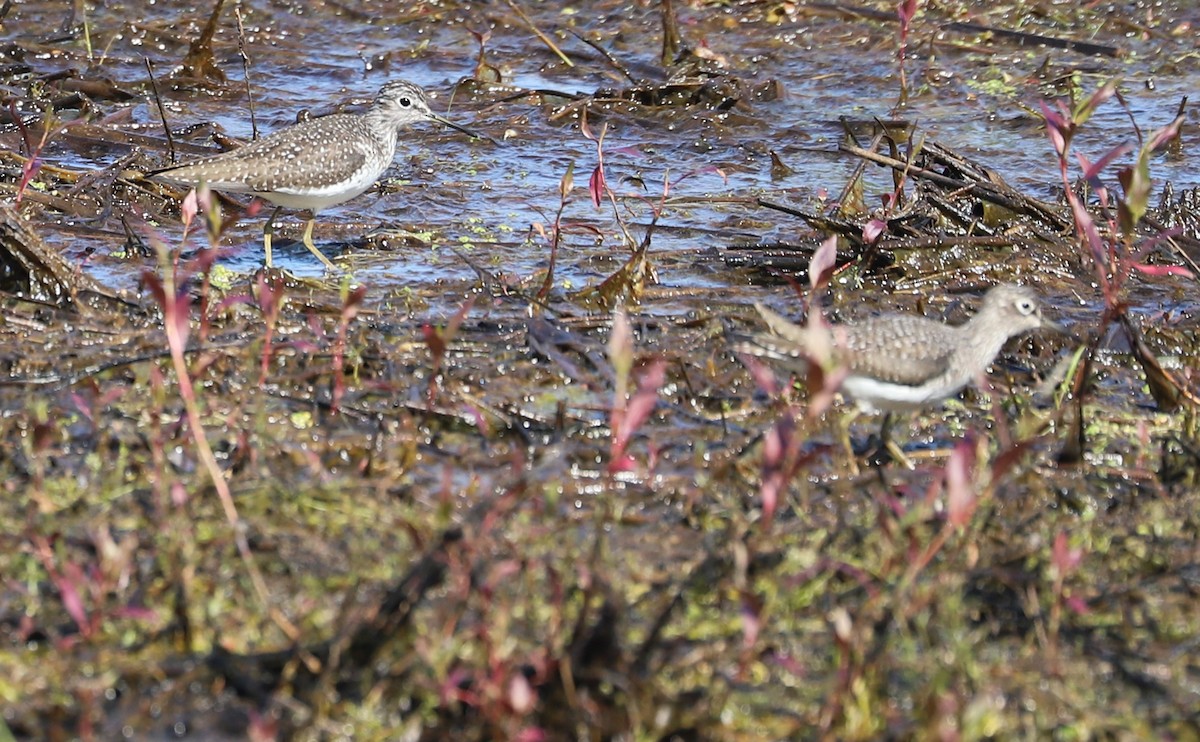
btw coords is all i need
(483, 198)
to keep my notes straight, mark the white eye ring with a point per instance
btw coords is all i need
(1025, 306)
(405, 102)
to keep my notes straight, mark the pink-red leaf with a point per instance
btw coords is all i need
(961, 499)
(1065, 558)
(1159, 271)
(620, 351)
(1086, 226)
(1163, 136)
(820, 268)
(176, 314)
(1077, 605)
(521, 695)
(872, 230)
(637, 410)
(29, 171)
(1057, 129)
(1092, 170)
(82, 406)
(188, 209)
(764, 377)
(596, 186)
(68, 587)
(531, 734)
(702, 170)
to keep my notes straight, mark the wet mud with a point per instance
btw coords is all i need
(503, 474)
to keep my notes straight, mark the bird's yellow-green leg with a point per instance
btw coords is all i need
(308, 228)
(268, 233)
(843, 428)
(887, 444)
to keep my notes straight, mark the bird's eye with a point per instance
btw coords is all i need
(405, 102)
(1025, 306)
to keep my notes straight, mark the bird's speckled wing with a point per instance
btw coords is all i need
(900, 349)
(276, 162)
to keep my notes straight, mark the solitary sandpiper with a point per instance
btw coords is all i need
(316, 163)
(901, 362)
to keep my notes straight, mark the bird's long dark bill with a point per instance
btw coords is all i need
(463, 129)
(1056, 327)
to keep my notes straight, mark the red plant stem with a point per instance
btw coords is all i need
(176, 343)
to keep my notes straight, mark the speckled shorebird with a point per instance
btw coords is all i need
(901, 362)
(316, 163)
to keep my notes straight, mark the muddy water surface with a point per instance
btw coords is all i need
(979, 98)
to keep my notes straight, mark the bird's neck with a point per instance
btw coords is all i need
(382, 126)
(979, 340)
